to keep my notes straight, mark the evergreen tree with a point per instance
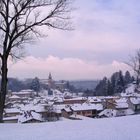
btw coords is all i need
(113, 82)
(120, 84)
(127, 78)
(35, 85)
(98, 89)
(117, 81)
(105, 86)
(109, 88)
(101, 88)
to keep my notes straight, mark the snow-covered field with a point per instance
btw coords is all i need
(121, 128)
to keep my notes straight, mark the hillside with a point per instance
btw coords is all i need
(121, 128)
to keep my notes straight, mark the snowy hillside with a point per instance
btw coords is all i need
(130, 91)
(123, 128)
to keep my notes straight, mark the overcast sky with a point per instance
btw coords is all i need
(106, 33)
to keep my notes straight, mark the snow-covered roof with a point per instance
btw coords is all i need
(27, 90)
(94, 100)
(134, 94)
(125, 112)
(130, 91)
(14, 97)
(23, 92)
(10, 118)
(57, 92)
(60, 100)
(31, 107)
(77, 98)
(108, 113)
(77, 107)
(114, 113)
(135, 101)
(130, 88)
(27, 116)
(86, 106)
(50, 103)
(12, 110)
(129, 112)
(54, 98)
(58, 108)
(121, 103)
(66, 93)
(121, 100)
(107, 97)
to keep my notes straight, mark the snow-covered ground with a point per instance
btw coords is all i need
(120, 128)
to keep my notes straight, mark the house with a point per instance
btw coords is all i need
(30, 117)
(121, 104)
(131, 91)
(108, 101)
(122, 107)
(135, 103)
(14, 98)
(60, 85)
(94, 100)
(118, 105)
(31, 107)
(125, 112)
(51, 84)
(13, 119)
(107, 113)
(78, 100)
(24, 93)
(66, 112)
(62, 110)
(58, 100)
(8, 105)
(11, 112)
(88, 110)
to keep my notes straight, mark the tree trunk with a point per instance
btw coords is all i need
(3, 90)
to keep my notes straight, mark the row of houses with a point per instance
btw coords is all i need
(51, 112)
(25, 107)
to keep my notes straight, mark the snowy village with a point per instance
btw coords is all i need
(28, 106)
(69, 70)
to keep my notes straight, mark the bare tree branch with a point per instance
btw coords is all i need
(134, 63)
(20, 21)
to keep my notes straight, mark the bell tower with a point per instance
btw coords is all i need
(50, 76)
(50, 81)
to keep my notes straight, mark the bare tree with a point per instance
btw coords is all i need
(20, 22)
(134, 63)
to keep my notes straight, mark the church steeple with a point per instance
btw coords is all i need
(50, 76)
(50, 81)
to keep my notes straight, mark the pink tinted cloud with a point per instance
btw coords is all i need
(67, 68)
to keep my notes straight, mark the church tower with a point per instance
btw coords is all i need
(50, 76)
(50, 81)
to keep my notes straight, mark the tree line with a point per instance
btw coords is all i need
(114, 85)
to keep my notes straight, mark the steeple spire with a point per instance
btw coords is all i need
(50, 81)
(50, 76)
